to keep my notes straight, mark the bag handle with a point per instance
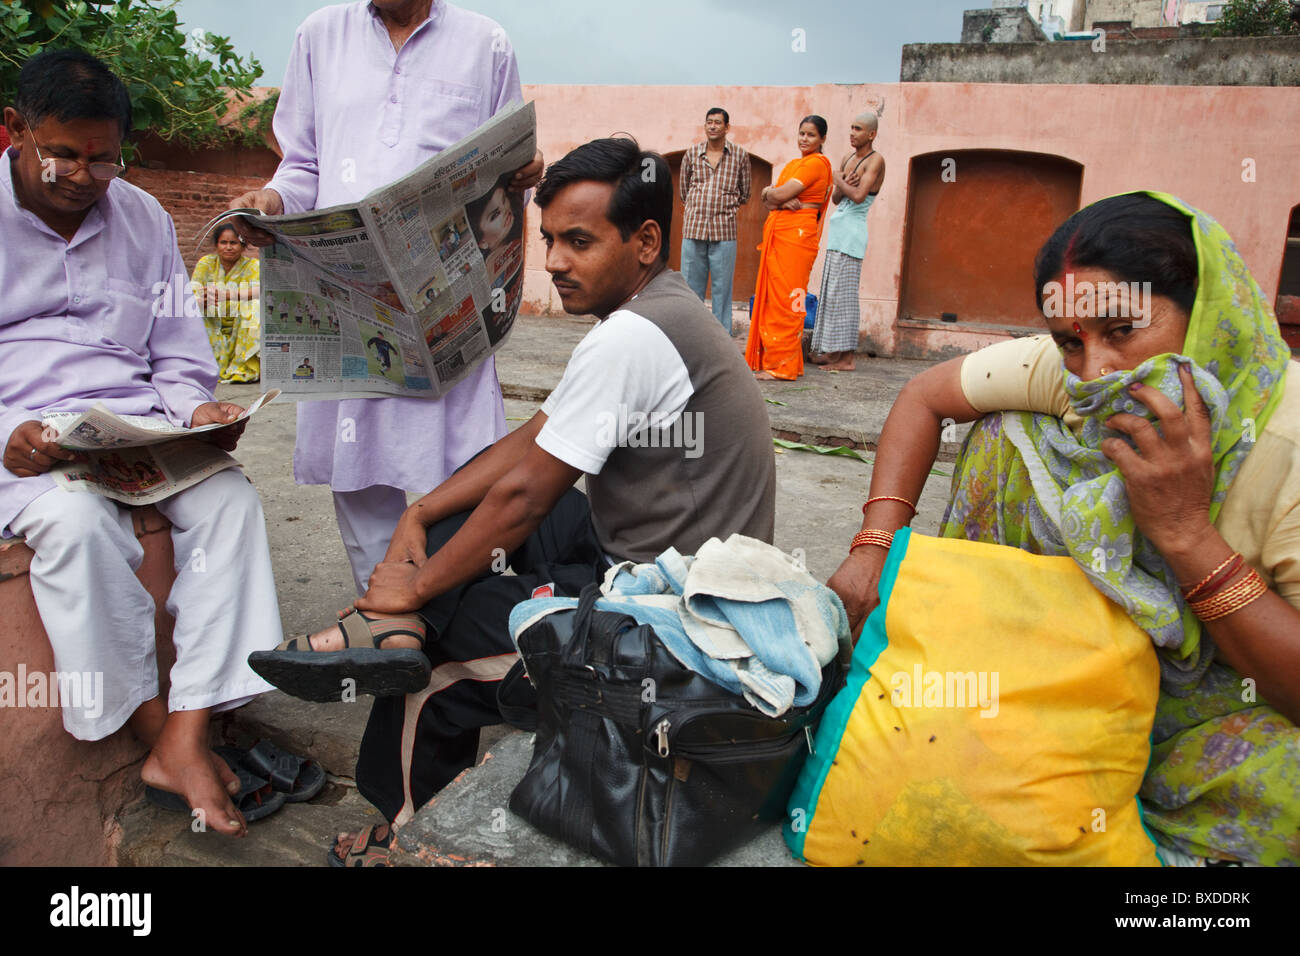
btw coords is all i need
(575, 654)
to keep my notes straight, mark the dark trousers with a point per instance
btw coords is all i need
(415, 745)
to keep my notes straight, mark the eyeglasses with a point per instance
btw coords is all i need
(66, 167)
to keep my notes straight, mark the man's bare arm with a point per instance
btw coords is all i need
(467, 488)
(505, 516)
(869, 181)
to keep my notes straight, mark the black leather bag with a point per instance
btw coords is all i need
(638, 760)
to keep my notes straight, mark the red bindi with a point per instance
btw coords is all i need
(1078, 330)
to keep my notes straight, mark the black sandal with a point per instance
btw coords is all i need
(298, 778)
(322, 676)
(255, 800)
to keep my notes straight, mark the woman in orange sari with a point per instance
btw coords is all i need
(790, 238)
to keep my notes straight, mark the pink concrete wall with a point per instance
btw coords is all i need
(1187, 140)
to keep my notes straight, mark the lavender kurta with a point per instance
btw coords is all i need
(87, 321)
(354, 115)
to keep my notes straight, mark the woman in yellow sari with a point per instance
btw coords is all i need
(790, 238)
(227, 286)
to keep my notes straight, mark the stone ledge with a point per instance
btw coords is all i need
(62, 796)
(468, 824)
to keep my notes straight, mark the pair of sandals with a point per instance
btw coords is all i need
(362, 667)
(268, 779)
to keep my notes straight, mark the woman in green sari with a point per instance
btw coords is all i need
(1150, 437)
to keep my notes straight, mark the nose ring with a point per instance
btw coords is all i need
(1105, 370)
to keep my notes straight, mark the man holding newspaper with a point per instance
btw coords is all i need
(92, 275)
(372, 90)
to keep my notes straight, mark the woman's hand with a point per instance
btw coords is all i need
(1170, 477)
(392, 590)
(856, 582)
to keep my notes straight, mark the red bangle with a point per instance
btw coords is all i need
(1215, 580)
(887, 498)
(1246, 591)
(875, 536)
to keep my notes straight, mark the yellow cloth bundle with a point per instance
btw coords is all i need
(998, 712)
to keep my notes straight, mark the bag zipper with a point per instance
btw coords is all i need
(747, 750)
(661, 734)
(668, 815)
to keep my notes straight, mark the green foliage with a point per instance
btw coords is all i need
(255, 120)
(175, 91)
(1254, 18)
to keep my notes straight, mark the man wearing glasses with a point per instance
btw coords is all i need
(88, 264)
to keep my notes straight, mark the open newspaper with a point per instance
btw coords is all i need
(136, 459)
(407, 290)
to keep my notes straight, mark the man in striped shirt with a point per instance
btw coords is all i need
(714, 184)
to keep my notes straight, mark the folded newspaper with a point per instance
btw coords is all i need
(136, 459)
(404, 292)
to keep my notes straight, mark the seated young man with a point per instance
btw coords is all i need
(84, 257)
(656, 408)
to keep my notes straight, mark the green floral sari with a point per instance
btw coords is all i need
(1225, 771)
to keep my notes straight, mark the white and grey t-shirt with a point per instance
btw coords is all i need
(659, 409)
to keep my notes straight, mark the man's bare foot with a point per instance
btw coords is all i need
(181, 763)
(821, 358)
(843, 362)
(147, 724)
(229, 779)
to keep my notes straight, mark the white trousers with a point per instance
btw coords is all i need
(100, 619)
(367, 520)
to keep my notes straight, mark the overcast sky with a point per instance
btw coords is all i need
(705, 42)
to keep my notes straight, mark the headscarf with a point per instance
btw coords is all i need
(1079, 504)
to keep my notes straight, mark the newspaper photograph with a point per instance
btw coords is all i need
(136, 459)
(409, 289)
(143, 474)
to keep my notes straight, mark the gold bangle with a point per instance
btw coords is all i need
(888, 498)
(1189, 590)
(1246, 591)
(1228, 594)
(875, 536)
